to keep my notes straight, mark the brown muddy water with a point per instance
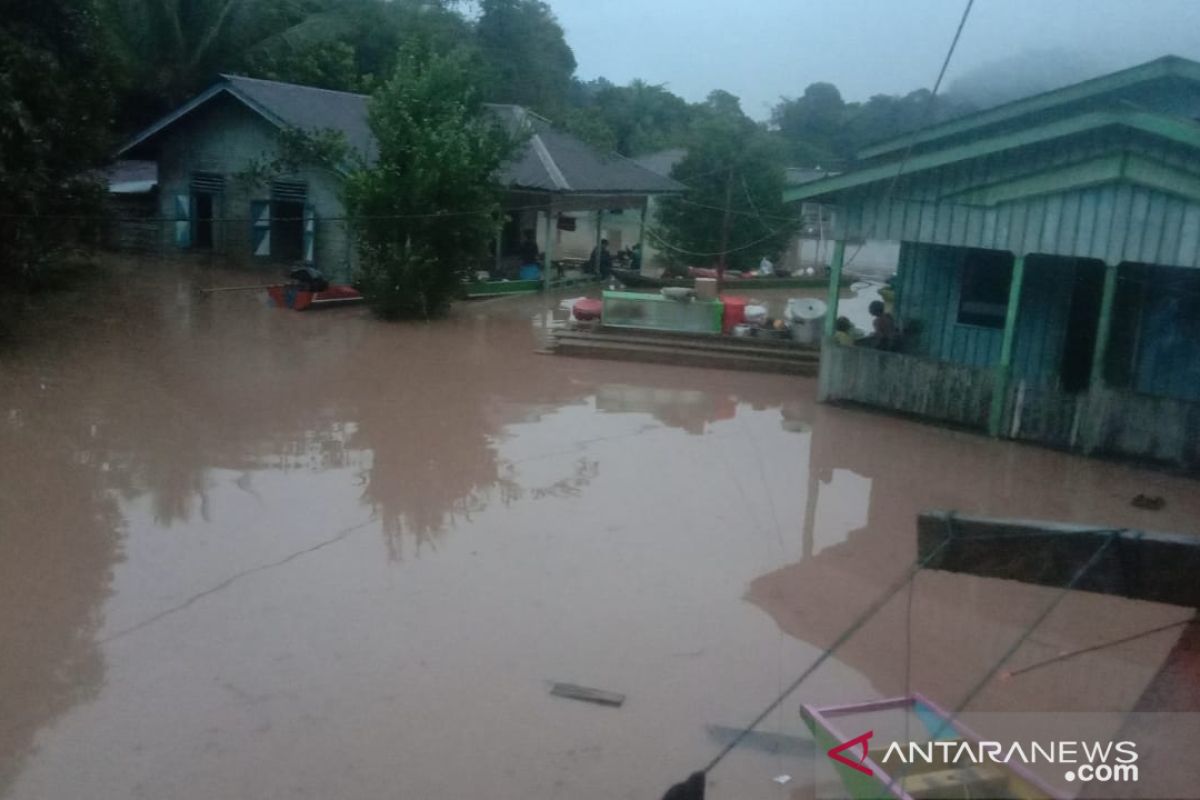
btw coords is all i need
(255, 553)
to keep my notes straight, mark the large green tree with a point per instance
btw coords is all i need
(426, 209)
(55, 92)
(171, 49)
(733, 210)
(632, 120)
(528, 59)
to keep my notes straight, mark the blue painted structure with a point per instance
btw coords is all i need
(1095, 203)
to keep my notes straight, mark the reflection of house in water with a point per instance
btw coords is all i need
(860, 536)
(691, 410)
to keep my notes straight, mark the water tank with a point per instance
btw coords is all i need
(807, 315)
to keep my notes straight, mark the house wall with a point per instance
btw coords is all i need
(225, 137)
(1112, 223)
(929, 284)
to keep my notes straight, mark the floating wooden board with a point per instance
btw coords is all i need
(587, 694)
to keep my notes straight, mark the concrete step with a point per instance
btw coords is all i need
(622, 349)
(688, 343)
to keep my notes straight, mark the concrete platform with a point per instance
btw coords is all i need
(687, 349)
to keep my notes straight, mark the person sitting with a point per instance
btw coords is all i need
(843, 332)
(528, 251)
(600, 260)
(885, 335)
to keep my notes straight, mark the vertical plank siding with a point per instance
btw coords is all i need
(907, 384)
(1148, 403)
(1111, 223)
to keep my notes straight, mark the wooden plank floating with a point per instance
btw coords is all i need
(587, 694)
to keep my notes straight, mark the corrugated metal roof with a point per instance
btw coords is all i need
(552, 161)
(1159, 125)
(1124, 86)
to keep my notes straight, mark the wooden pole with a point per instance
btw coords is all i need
(835, 285)
(496, 265)
(725, 228)
(642, 234)
(550, 232)
(599, 236)
(1104, 326)
(1000, 387)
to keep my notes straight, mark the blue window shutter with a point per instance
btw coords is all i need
(183, 220)
(260, 227)
(310, 234)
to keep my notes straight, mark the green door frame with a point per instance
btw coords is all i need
(1004, 368)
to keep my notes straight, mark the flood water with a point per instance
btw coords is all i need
(255, 553)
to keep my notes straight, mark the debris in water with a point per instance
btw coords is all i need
(782, 779)
(1148, 502)
(587, 695)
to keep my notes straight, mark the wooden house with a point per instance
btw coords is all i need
(1048, 286)
(206, 149)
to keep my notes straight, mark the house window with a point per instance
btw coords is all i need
(206, 188)
(287, 220)
(983, 298)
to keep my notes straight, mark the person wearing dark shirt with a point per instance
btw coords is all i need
(528, 250)
(601, 262)
(884, 333)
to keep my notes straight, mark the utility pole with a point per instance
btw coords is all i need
(725, 229)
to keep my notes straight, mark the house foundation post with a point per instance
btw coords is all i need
(1004, 368)
(1104, 325)
(835, 285)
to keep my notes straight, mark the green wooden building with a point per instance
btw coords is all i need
(1049, 278)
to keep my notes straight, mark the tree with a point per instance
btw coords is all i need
(734, 203)
(55, 91)
(639, 118)
(812, 123)
(529, 60)
(427, 208)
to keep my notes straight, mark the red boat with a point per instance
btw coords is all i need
(299, 298)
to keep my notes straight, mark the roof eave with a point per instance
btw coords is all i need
(223, 87)
(1168, 66)
(1155, 124)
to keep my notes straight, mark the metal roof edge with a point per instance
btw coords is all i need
(1155, 124)
(1166, 66)
(222, 87)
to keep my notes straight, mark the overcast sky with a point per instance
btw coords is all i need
(762, 49)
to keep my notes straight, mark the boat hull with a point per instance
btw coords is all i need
(299, 299)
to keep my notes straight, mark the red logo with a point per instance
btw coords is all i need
(864, 740)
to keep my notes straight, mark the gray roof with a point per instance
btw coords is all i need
(131, 177)
(663, 161)
(552, 161)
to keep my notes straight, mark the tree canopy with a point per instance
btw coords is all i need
(54, 132)
(734, 205)
(426, 209)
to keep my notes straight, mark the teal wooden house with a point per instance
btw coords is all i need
(1048, 286)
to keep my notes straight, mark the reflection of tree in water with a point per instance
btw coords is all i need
(688, 409)
(59, 540)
